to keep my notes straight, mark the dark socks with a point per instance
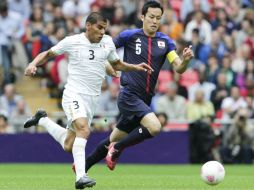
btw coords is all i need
(136, 136)
(98, 154)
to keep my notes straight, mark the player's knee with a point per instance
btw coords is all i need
(82, 129)
(155, 128)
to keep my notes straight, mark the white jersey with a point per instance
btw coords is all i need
(86, 68)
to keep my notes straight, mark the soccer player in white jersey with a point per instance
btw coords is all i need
(88, 53)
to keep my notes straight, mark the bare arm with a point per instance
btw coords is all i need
(38, 60)
(123, 66)
(179, 65)
(110, 70)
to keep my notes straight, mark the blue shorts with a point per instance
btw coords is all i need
(132, 109)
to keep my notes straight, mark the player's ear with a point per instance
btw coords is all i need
(88, 26)
(142, 17)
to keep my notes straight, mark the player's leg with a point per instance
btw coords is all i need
(136, 136)
(78, 149)
(69, 140)
(56, 131)
(150, 127)
(124, 127)
(101, 150)
(81, 109)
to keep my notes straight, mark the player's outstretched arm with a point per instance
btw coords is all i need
(179, 65)
(123, 66)
(38, 60)
(110, 70)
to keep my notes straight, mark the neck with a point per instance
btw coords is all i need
(87, 36)
(149, 34)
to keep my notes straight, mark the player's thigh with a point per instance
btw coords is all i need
(116, 135)
(81, 107)
(152, 123)
(69, 140)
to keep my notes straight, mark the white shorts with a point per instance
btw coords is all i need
(77, 105)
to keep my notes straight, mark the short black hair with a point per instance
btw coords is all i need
(152, 4)
(94, 17)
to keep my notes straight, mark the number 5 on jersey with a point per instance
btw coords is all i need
(138, 48)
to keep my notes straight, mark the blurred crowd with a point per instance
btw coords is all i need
(217, 90)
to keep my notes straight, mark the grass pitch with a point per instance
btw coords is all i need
(125, 177)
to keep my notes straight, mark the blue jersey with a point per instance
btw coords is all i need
(140, 48)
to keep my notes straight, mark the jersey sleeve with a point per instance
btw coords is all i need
(123, 37)
(112, 56)
(61, 46)
(171, 55)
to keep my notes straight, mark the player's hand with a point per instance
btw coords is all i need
(30, 70)
(144, 67)
(188, 53)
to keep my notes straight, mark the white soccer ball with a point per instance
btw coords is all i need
(212, 172)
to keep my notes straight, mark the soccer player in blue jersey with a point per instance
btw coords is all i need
(137, 122)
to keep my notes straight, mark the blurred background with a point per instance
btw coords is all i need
(207, 112)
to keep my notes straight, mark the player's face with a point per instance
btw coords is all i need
(96, 31)
(151, 21)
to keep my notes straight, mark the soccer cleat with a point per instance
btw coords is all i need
(84, 182)
(33, 121)
(112, 156)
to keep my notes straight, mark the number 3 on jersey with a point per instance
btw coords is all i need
(138, 48)
(91, 54)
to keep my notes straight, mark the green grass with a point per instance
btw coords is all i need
(125, 177)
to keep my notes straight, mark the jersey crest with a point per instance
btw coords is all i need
(161, 44)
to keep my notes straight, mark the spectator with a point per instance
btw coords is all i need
(5, 128)
(108, 10)
(231, 104)
(226, 68)
(201, 51)
(119, 16)
(248, 3)
(174, 28)
(250, 107)
(213, 69)
(217, 45)
(199, 108)
(220, 92)
(8, 101)
(33, 33)
(242, 34)
(74, 8)
(250, 42)
(248, 89)
(190, 6)
(221, 18)
(22, 7)
(110, 100)
(48, 13)
(19, 116)
(237, 147)
(181, 90)
(11, 30)
(204, 27)
(107, 110)
(206, 86)
(173, 105)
